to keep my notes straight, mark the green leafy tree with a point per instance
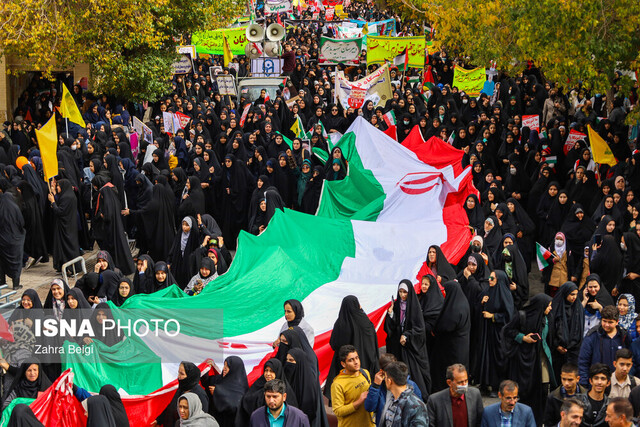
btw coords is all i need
(129, 44)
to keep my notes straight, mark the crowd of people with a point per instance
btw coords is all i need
(567, 355)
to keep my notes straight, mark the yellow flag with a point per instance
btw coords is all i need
(228, 56)
(365, 29)
(600, 149)
(69, 109)
(48, 144)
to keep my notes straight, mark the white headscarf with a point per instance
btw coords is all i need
(184, 238)
(197, 417)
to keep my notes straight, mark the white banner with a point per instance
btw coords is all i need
(167, 122)
(226, 84)
(183, 66)
(375, 87)
(277, 6)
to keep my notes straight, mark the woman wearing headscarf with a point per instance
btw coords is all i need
(28, 380)
(107, 227)
(192, 202)
(578, 228)
(566, 327)
(56, 298)
(492, 235)
(593, 298)
(526, 347)
(607, 209)
(125, 290)
(352, 327)
(65, 230)
(474, 211)
(627, 309)
(406, 338)
(188, 381)
(108, 337)
(505, 219)
(35, 245)
(452, 334)
(439, 265)
(511, 262)
(23, 416)
(294, 316)
(115, 402)
(558, 271)
(236, 191)
(552, 211)
(305, 384)
(191, 414)
(312, 191)
(295, 338)
(226, 391)
(185, 243)
(431, 301)
(254, 397)
(630, 245)
(76, 302)
(524, 231)
(497, 310)
(606, 261)
(98, 412)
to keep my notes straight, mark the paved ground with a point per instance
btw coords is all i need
(39, 277)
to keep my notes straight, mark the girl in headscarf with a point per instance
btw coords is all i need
(294, 316)
(98, 412)
(188, 381)
(191, 413)
(226, 391)
(526, 347)
(56, 298)
(566, 327)
(305, 384)
(492, 235)
(497, 310)
(627, 310)
(552, 211)
(404, 326)
(162, 278)
(185, 243)
(254, 397)
(192, 202)
(352, 327)
(206, 274)
(452, 333)
(28, 380)
(29, 309)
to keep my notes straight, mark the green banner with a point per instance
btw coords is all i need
(335, 51)
(211, 41)
(381, 49)
(469, 81)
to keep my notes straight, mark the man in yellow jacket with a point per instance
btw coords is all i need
(349, 390)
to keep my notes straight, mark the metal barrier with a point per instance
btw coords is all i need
(72, 263)
(7, 302)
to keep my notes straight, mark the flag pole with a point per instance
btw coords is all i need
(66, 125)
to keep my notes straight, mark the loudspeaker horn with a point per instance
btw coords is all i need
(275, 32)
(251, 51)
(255, 33)
(273, 49)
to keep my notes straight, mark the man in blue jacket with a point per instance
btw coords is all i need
(601, 343)
(378, 393)
(508, 411)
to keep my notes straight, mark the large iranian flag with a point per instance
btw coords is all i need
(372, 229)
